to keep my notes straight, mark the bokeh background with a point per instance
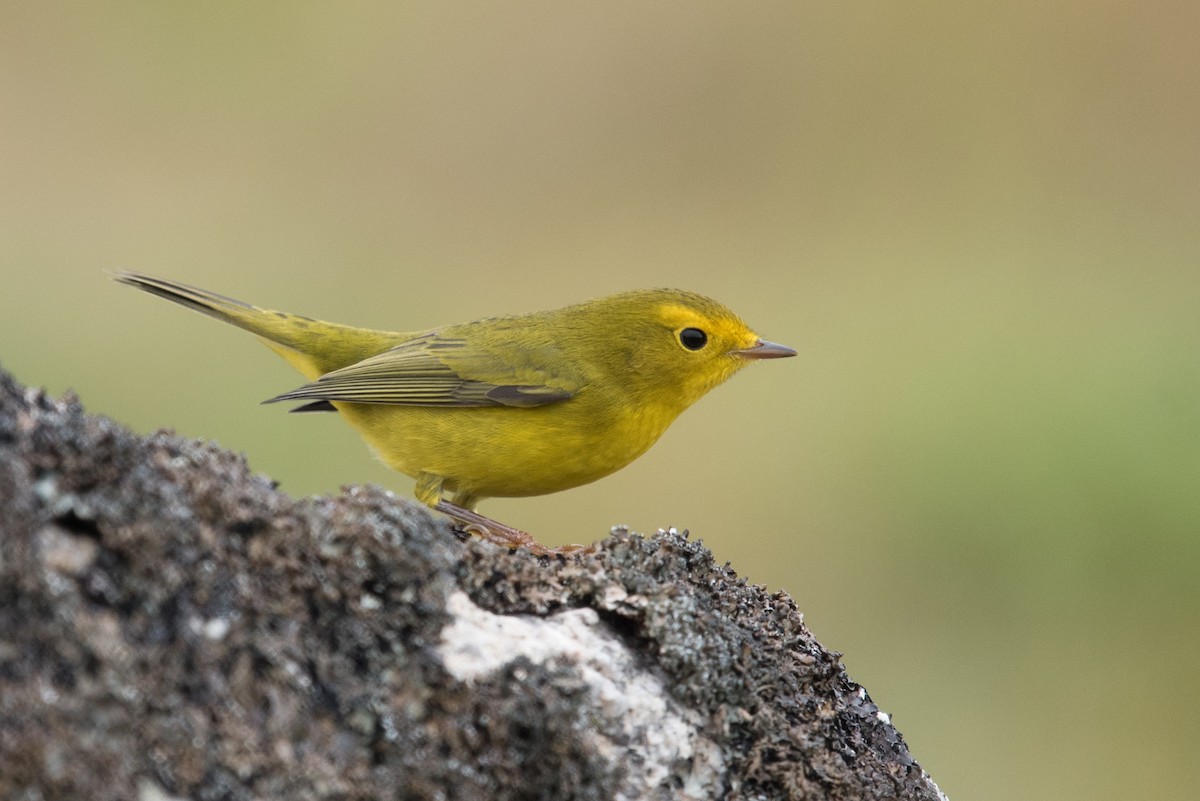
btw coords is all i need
(978, 223)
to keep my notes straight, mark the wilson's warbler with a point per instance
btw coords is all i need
(506, 406)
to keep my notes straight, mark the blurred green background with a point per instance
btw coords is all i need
(978, 223)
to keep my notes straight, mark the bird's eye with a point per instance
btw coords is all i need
(693, 338)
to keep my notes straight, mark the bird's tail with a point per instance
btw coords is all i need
(311, 346)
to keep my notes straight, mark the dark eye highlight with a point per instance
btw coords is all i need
(693, 338)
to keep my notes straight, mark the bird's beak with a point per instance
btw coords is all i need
(765, 350)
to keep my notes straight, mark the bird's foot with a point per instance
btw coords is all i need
(497, 533)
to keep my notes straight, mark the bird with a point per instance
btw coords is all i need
(510, 406)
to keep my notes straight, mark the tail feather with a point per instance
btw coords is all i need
(311, 346)
(229, 310)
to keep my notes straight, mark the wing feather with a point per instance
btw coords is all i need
(437, 370)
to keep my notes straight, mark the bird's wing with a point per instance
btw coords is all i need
(438, 370)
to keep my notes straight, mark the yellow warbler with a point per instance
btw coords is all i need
(506, 406)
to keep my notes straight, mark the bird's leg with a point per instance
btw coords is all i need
(499, 534)
(429, 491)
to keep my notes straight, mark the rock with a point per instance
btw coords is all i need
(173, 627)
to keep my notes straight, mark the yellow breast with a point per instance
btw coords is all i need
(506, 452)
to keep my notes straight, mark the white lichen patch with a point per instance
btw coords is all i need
(641, 729)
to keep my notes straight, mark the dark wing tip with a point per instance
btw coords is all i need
(315, 406)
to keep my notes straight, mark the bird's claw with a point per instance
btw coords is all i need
(476, 525)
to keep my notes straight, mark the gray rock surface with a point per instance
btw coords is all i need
(173, 627)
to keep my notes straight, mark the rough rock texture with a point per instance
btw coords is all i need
(171, 626)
